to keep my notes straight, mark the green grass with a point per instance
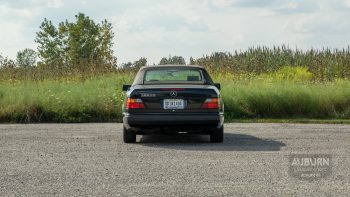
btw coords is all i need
(288, 95)
(98, 99)
(284, 99)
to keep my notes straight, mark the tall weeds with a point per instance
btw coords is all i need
(261, 82)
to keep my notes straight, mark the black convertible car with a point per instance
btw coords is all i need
(173, 99)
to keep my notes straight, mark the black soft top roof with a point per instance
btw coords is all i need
(140, 75)
(172, 65)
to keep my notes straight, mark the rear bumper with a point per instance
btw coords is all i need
(199, 120)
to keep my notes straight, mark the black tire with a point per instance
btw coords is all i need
(129, 136)
(217, 136)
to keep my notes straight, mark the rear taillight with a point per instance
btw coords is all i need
(211, 103)
(134, 103)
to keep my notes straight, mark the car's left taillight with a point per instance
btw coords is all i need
(211, 103)
(134, 103)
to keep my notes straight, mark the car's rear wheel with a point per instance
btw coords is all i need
(129, 136)
(217, 136)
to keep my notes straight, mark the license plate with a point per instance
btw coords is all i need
(174, 104)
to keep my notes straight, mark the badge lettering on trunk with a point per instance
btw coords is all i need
(173, 94)
(148, 95)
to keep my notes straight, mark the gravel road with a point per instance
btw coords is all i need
(82, 159)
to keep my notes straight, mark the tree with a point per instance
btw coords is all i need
(26, 58)
(127, 65)
(163, 61)
(5, 62)
(75, 42)
(141, 62)
(172, 60)
(176, 60)
(88, 40)
(136, 64)
(192, 62)
(51, 49)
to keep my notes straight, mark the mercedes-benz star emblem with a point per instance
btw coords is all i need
(173, 94)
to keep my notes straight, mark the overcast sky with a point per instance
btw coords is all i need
(155, 28)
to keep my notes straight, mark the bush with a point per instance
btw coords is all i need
(296, 74)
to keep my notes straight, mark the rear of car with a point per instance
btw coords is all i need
(173, 99)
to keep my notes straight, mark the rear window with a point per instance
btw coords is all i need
(172, 75)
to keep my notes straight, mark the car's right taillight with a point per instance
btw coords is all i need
(211, 103)
(134, 103)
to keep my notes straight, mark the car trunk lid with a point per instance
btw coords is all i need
(174, 98)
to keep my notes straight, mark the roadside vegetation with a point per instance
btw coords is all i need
(74, 82)
(289, 93)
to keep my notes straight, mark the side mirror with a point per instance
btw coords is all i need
(126, 87)
(217, 85)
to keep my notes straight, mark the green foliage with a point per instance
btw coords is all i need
(192, 61)
(141, 62)
(136, 64)
(163, 61)
(262, 96)
(99, 98)
(255, 84)
(293, 74)
(26, 58)
(172, 60)
(65, 100)
(72, 43)
(127, 65)
(51, 47)
(6, 63)
(324, 64)
(288, 73)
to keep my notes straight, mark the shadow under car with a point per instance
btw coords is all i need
(232, 142)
